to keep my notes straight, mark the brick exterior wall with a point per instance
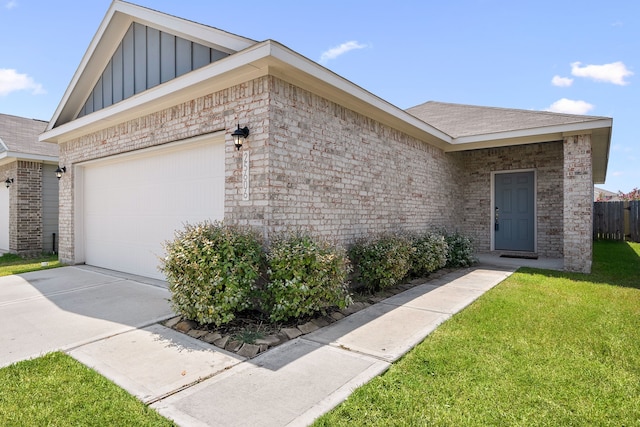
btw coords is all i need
(343, 175)
(246, 103)
(25, 211)
(578, 203)
(318, 166)
(546, 159)
(314, 164)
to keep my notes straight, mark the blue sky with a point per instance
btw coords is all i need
(577, 57)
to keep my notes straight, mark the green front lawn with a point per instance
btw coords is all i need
(56, 390)
(14, 264)
(543, 348)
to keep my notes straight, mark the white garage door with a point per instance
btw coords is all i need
(133, 203)
(4, 218)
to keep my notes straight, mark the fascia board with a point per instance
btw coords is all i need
(257, 59)
(32, 157)
(83, 64)
(9, 156)
(203, 34)
(160, 96)
(336, 82)
(524, 133)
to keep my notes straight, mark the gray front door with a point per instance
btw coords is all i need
(514, 224)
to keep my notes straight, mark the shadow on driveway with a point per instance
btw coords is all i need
(62, 308)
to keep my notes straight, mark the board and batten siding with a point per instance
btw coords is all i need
(145, 58)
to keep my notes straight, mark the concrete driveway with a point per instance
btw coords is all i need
(63, 308)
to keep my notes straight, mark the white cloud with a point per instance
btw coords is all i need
(334, 52)
(561, 81)
(11, 4)
(609, 73)
(11, 81)
(570, 106)
(618, 173)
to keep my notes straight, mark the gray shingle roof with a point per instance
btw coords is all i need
(459, 120)
(20, 136)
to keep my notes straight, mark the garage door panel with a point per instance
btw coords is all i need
(135, 203)
(4, 220)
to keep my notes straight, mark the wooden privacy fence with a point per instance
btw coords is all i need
(616, 220)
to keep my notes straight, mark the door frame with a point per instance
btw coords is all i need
(493, 204)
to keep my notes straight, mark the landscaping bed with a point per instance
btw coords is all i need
(251, 333)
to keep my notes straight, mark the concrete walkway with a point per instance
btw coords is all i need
(63, 308)
(196, 384)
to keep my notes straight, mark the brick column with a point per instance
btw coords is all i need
(578, 203)
(25, 235)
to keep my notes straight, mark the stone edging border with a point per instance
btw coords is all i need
(249, 350)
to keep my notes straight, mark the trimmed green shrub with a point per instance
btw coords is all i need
(381, 262)
(305, 276)
(212, 270)
(460, 250)
(430, 253)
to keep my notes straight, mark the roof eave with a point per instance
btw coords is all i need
(11, 156)
(264, 58)
(599, 129)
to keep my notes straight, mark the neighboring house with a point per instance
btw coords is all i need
(29, 203)
(145, 133)
(602, 195)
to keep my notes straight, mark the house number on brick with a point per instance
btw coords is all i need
(245, 175)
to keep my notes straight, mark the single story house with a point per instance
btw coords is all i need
(602, 195)
(146, 135)
(29, 194)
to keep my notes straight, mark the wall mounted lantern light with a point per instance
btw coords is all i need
(60, 171)
(8, 182)
(239, 135)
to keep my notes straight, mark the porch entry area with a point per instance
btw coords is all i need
(514, 211)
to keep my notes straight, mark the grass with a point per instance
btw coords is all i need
(541, 349)
(56, 390)
(14, 264)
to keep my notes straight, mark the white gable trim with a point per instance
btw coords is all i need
(268, 57)
(109, 35)
(251, 61)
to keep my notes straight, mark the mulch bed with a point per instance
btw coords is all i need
(251, 333)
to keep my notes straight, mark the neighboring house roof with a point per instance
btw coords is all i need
(449, 127)
(602, 195)
(19, 139)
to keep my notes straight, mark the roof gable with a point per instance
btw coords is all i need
(91, 87)
(145, 58)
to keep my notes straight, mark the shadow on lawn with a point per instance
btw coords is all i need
(614, 263)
